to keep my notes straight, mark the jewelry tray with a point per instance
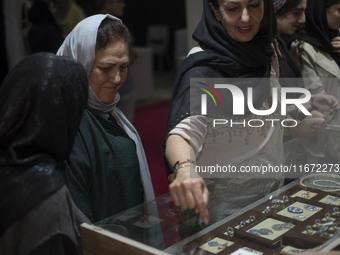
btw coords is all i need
(298, 219)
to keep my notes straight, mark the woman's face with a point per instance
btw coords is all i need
(240, 18)
(109, 70)
(290, 22)
(333, 16)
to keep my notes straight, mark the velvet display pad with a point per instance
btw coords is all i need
(271, 228)
(216, 245)
(301, 209)
(304, 194)
(330, 200)
(299, 218)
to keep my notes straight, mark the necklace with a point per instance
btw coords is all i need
(315, 183)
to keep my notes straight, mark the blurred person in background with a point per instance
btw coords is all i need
(317, 53)
(68, 15)
(44, 34)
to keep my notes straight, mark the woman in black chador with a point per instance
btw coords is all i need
(42, 101)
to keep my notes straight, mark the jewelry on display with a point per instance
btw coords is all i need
(213, 243)
(318, 223)
(267, 209)
(293, 209)
(316, 184)
(327, 215)
(277, 201)
(262, 231)
(311, 208)
(285, 198)
(333, 198)
(279, 227)
(222, 246)
(280, 201)
(305, 194)
(309, 229)
(299, 217)
(330, 224)
(336, 211)
(254, 232)
(230, 231)
(322, 231)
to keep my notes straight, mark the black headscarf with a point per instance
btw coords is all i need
(224, 57)
(42, 101)
(317, 32)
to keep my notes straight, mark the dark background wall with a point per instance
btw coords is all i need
(3, 53)
(141, 13)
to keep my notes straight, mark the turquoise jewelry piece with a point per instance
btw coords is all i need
(333, 198)
(213, 243)
(265, 231)
(230, 231)
(277, 227)
(267, 209)
(299, 217)
(261, 231)
(293, 209)
(280, 201)
(280, 227)
(321, 231)
(277, 201)
(254, 232)
(288, 225)
(311, 208)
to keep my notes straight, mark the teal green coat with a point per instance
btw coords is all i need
(102, 172)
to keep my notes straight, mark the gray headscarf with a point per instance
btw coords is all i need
(80, 44)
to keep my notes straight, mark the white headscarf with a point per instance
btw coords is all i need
(80, 44)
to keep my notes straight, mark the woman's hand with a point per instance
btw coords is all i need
(190, 192)
(325, 102)
(336, 44)
(312, 123)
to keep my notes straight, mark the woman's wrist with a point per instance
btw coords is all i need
(182, 164)
(179, 168)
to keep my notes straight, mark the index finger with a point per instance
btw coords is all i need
(201, 196)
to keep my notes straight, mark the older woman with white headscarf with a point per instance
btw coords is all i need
(107, 171)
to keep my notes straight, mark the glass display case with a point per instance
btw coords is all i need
(247, 215)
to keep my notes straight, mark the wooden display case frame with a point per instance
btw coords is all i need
(97, 240)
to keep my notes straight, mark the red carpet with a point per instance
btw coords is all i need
(150, 123)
